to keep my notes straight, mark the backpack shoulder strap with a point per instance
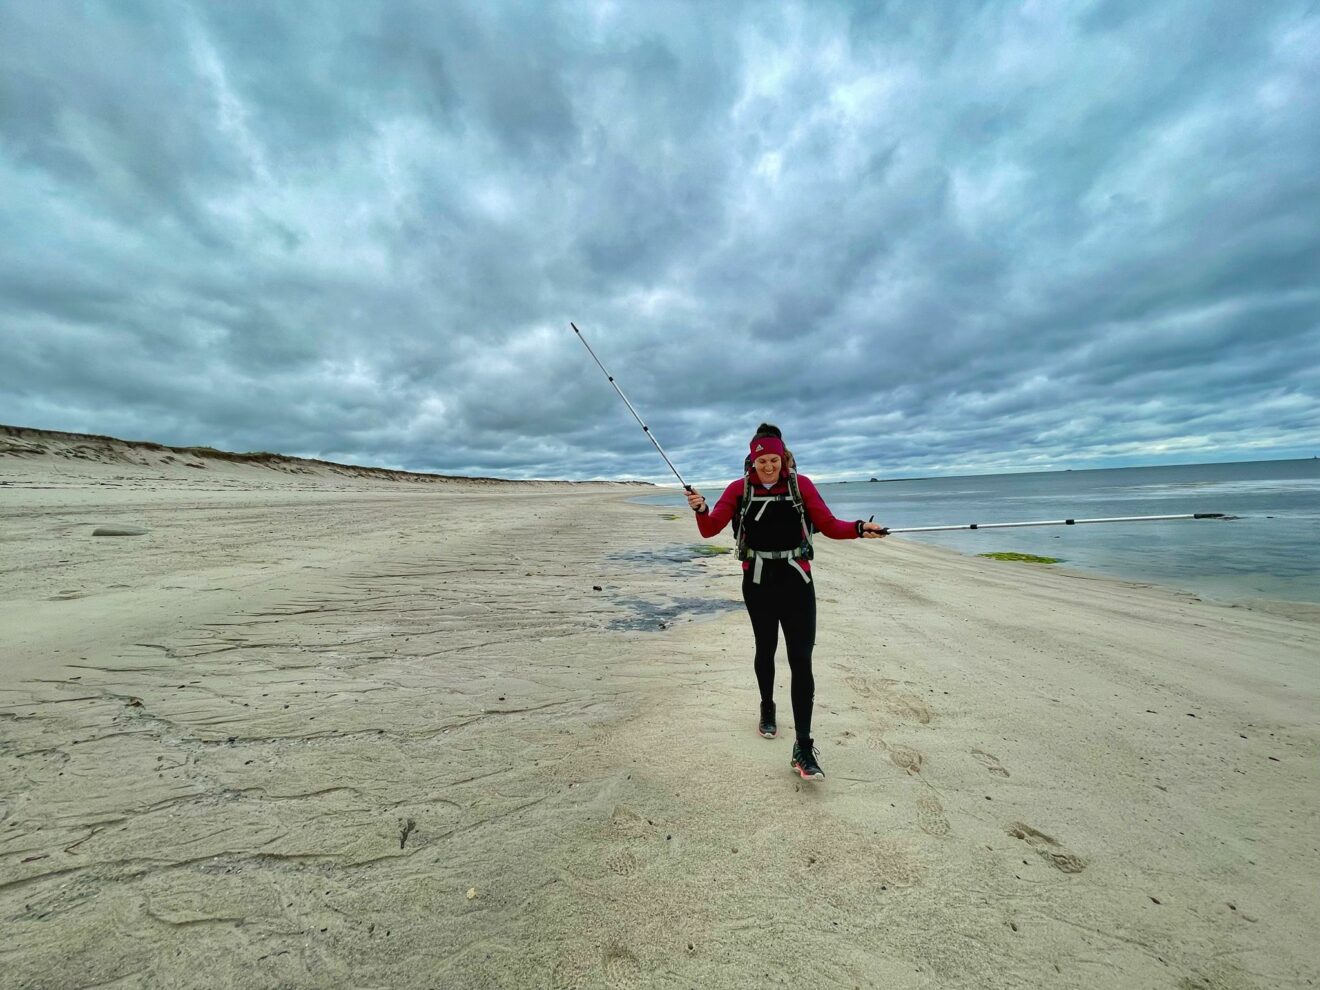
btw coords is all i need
(798, 504)
(740, 515)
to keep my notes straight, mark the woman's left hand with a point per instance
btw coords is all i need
(873, 531)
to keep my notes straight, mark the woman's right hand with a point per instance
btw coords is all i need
(696, 501)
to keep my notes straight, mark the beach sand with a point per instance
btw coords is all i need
(323, 729)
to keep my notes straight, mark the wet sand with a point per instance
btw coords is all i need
(312, 730)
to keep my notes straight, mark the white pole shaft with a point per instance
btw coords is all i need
(646, 429)
(1058, 522)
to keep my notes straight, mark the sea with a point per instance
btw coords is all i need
(1269, 548)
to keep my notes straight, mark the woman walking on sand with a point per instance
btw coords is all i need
(774, 510)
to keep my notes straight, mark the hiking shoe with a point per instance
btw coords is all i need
(767, 725)
(804, 761)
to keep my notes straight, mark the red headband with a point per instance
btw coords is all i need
(766, 445)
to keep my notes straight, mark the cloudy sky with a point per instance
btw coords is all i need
(948, 237)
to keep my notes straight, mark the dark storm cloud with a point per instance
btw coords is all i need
(923, 238)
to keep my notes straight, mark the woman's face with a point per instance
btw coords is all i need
(767, 468)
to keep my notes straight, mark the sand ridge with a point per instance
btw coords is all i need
(393, 736)
(86, 458)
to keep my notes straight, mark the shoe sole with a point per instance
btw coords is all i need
(806, 776)
(767, 735)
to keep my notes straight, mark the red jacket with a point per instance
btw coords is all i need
(717, 517)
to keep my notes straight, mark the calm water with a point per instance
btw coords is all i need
(1271, 551)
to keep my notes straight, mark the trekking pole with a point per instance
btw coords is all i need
(644, 427)
(1063, 522)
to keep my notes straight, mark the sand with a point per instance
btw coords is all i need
(319, 729)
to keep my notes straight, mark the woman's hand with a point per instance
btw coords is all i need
(873, 531)
(696, 501)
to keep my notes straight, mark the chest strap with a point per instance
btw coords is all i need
(765, 501)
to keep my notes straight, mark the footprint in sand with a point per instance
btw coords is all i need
(991, 763)
(624, 863)
(883, 689)
(1048, 847)
(865, 869)
(859, 684)
(622, 969)
(905, 758)
(909, 707)
(930, 817)
(629, 824)
(570, 974)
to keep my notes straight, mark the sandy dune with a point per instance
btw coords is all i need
(317, 729)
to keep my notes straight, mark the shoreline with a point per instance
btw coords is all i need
(1237, 594)
(404, 746)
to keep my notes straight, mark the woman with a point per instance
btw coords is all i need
(773, 509)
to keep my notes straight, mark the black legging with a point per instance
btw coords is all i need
(783, 598)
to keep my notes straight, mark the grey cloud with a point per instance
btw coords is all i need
(947, 237)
